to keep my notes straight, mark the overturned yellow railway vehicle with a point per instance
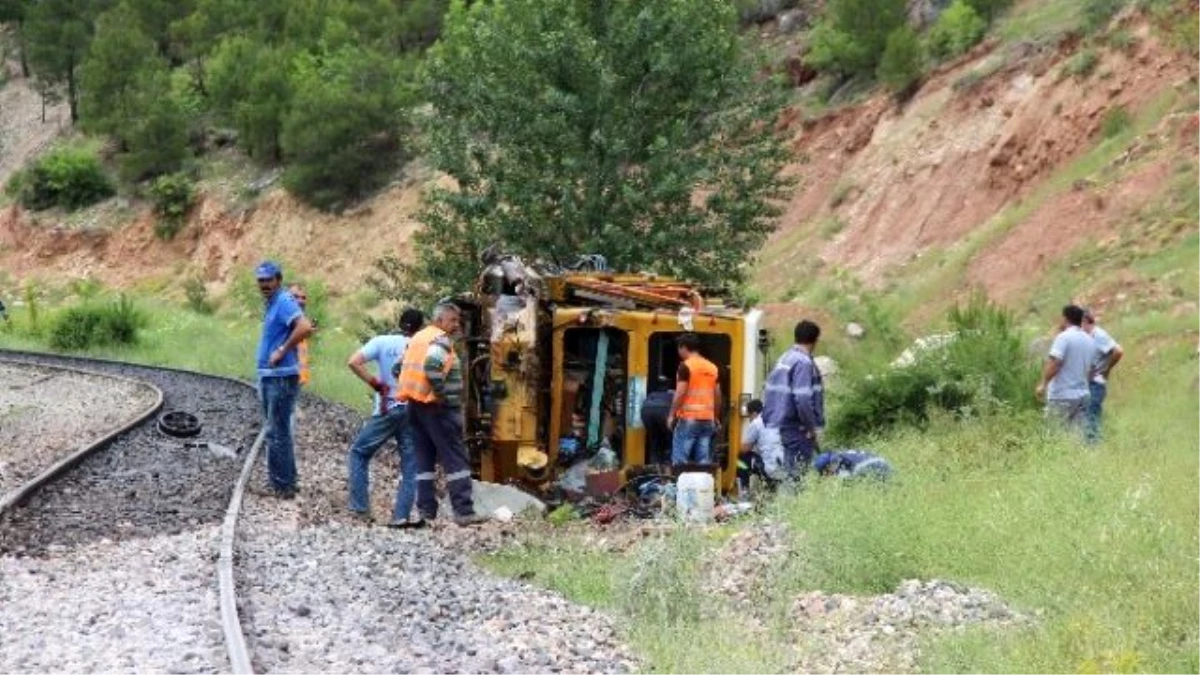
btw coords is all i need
(560, 361)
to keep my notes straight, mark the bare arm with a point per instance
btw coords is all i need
(681, 387)
(358, 365)
(1051, 369)
(1117, 355)
(301, 330)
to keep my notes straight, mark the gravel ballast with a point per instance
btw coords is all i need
(48, 413)
(144, 605)
(322, 593)
(144, 483)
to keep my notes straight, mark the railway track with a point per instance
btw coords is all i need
(125, 493)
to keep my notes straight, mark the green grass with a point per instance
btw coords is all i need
(222, 343)
(1040, 21)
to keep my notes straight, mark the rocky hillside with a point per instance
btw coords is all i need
(1006, 167)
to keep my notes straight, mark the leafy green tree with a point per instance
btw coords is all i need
(57, 35)
(119, 57)
(989, 9)
(155, 18)
(903, 61)
(342, 135)
(630, 129)
(249, 86)
(157, 141)
(956, 30)
(13, 12)
(852, 36)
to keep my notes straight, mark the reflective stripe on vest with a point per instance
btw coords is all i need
(413, 385)
(302, 355)
(697, 403)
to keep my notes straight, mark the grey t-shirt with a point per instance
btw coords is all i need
(1105, 345)
(1076, 350)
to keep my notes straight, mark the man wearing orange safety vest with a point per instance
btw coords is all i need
(696, 410)
(430, 381)
(301, 297)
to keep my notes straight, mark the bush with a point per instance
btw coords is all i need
(989, 9)
(956, 30)
(1115, 122)
(97, 325)
(903, 62)
(1083, 64)
(983, 370)
(853, 36)
(1097, 13)
(68, 177)
(173, 196)
(197, 296)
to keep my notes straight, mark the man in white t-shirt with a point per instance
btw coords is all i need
(1108, 355)
(1064, 383)
(389, 419)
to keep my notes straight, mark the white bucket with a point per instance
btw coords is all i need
(694, 497)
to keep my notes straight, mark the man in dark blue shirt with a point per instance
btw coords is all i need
(278, 369)
(794, 400)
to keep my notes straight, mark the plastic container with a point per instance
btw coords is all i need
(695, 495)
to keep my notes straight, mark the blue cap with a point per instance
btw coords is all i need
(267, 270)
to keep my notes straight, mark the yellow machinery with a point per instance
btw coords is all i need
(562, 362)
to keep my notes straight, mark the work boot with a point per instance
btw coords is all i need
(470, 519)
(409, 524)
(363, 517)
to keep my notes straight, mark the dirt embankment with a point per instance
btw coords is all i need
(882, 184)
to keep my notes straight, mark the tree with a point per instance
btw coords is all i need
(903, 61)
(629, 129)
(989, 9)
(57, 34)
(13, 11)
(120, 56)
(155, 18)
(250, 89)
(852, 36)
(956, 30)
(342, 133)
(157, 140)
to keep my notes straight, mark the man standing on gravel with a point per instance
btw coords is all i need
(794, 400)
(389, 419)
(284, 326)
(1064, 383)
(1108, 355)
(431, 382)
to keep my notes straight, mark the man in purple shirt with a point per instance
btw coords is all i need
(794, 400)
(278, 370)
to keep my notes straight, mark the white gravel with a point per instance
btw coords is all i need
(321, 593)
(145, 605)
(48, 413)
(852, 634)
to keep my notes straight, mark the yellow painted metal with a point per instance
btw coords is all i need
(640, 326)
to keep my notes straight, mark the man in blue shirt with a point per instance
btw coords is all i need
(794, 400)
(389, 419)
(1064, 383)
(278, 365)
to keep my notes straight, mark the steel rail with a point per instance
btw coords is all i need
(231, 624)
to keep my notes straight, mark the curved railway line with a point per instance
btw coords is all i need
(137, 482)
(108, 562)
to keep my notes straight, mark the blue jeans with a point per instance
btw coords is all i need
(692, 442)
(278, 398)
(374, 433)
(798, 450)
(1094, 411)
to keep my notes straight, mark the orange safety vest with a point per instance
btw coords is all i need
(302, 355)
(413, 385)
(697, 403)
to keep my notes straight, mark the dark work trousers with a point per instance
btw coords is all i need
(798, 450)
(438, 436)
